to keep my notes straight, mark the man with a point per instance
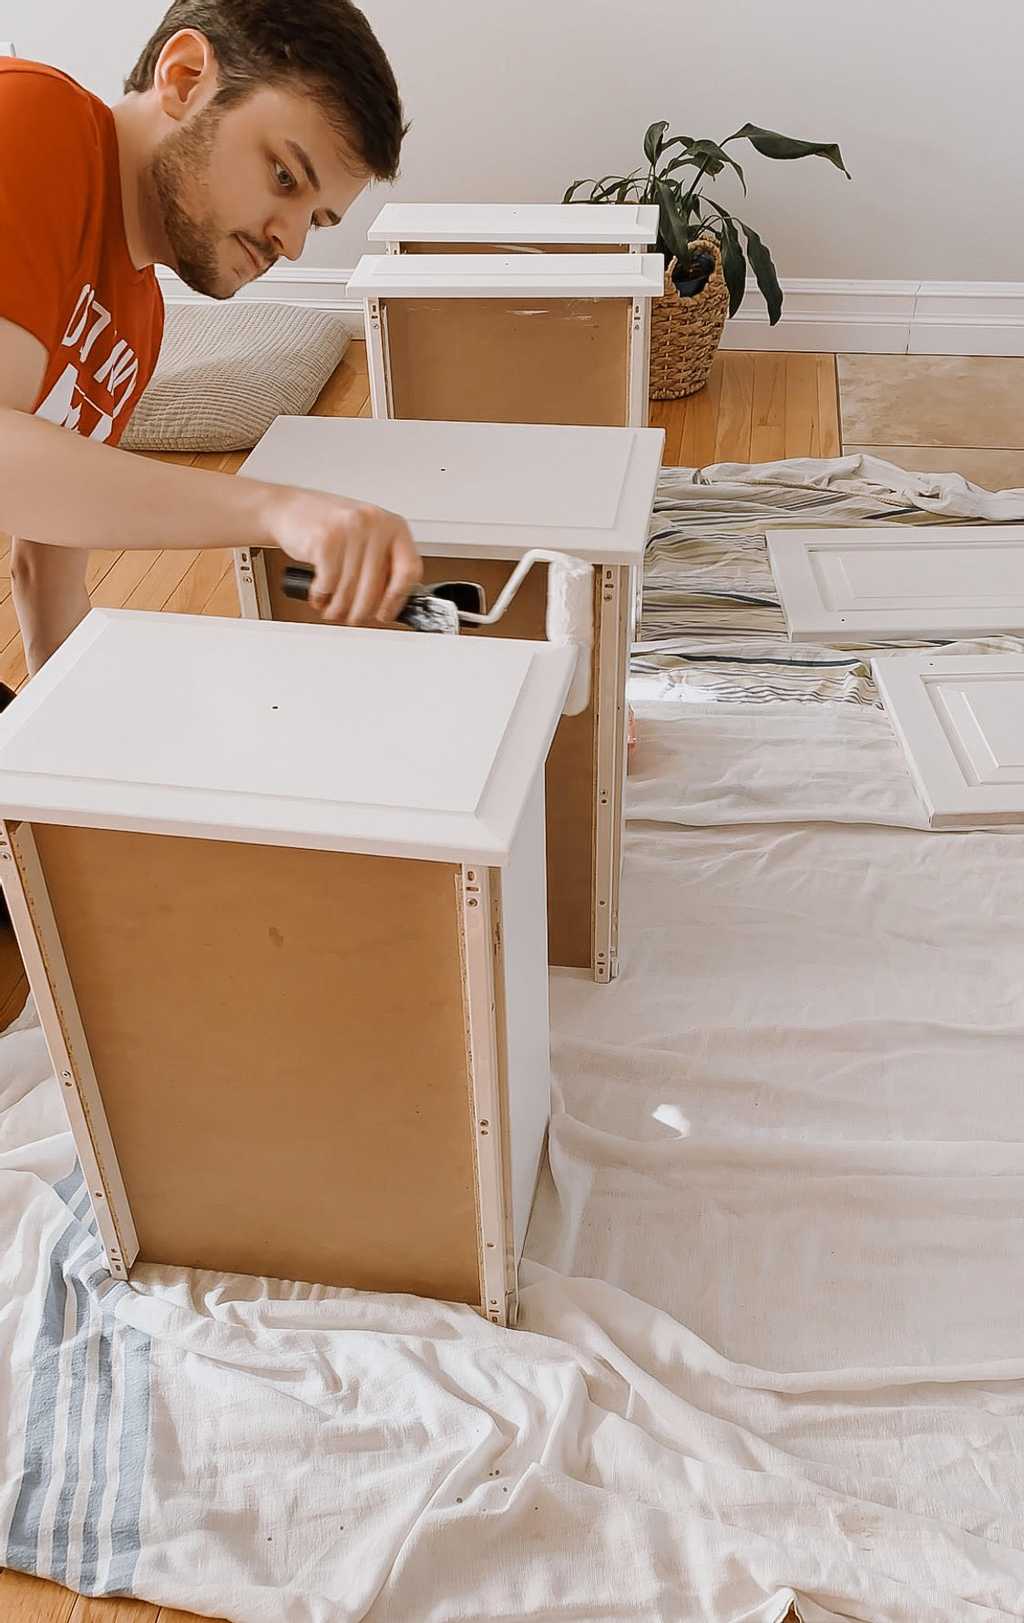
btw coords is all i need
(245, 124)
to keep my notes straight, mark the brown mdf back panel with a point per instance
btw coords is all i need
(515, 248)
(571, 775)
(510, 360)
(279, 1038)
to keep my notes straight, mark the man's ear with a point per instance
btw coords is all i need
(186, 74)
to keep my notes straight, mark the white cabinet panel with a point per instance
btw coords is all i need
(508, 276)
(612, 223)
(313, 736)
(858, 586)
(961, 724)
(490, 490)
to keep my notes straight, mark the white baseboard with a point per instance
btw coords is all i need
(886, 318)
(295, 285)
(852, 317)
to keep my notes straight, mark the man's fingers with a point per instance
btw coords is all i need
(373, 578)
(365, 564)
(405, 573)
(325, 580)
(351, 560)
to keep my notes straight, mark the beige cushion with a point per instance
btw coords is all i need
(227, 370)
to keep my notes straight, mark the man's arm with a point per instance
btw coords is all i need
(65, 491)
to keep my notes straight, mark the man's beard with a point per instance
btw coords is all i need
(180, 164)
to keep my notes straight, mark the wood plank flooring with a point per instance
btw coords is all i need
(756, 408)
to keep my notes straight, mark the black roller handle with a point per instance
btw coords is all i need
(421, 611)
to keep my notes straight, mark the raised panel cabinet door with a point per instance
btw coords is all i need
(960, 721)
(900, 582)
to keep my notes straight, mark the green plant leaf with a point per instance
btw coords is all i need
(713, 159)
(772, 145)
(601, 191)
(673, 226)
(677, 141)
(654, 140)
(734, 264)
(763, 268)
(678, 163)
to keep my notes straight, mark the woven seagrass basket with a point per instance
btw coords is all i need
(686, 333)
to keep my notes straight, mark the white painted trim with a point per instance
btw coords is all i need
(38, 938)
(968, 318)
(300, 286)
(868, 317)
(499, 1289)
(245, 580)
(886, 318)
(262, 584)
(640, 363)
(616, 605)
(378, 363)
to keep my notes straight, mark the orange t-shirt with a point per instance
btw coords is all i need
(65, 272)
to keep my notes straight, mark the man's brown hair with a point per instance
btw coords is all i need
(326, 46)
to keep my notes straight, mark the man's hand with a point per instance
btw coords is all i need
(364, 557)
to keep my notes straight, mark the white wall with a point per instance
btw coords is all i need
(511, 102)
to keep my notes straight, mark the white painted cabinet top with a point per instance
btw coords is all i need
(960, 720)
(920, 582)
(508, 276)
(489, 490)
(381, 742)
(516, 222)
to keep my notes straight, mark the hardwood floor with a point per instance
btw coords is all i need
(756, 408)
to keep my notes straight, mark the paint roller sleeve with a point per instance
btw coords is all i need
(570, 619)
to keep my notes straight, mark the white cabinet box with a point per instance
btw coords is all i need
(510, 338)
(477, 496)
(280, 895)
(563, 228)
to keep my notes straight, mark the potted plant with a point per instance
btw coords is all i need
(705, 256)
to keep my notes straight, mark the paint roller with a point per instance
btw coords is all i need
(450, 605)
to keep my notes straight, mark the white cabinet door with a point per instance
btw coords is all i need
(309, 736)
(934, 581)
(961, 724)
(487, 490)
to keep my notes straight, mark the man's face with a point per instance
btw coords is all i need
(237, 190)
